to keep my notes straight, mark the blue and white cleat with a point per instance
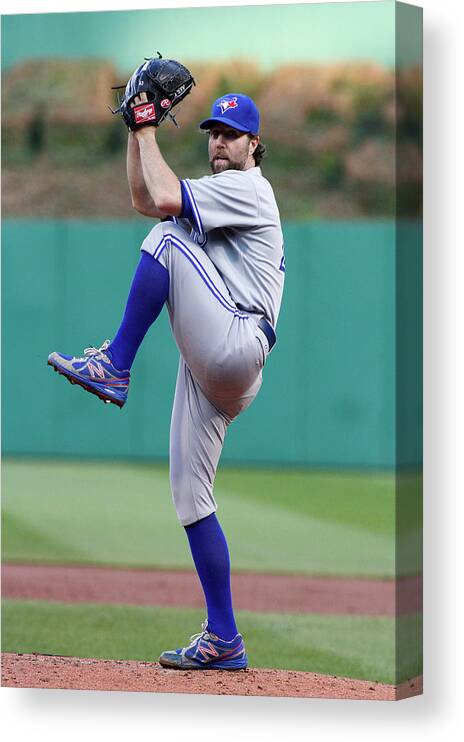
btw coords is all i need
(95, 373)
(207, 651)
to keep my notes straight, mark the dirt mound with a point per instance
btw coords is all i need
(42, 671)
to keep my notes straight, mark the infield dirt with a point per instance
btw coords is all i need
(42, 671)
(254, 592)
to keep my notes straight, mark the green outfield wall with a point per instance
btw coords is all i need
(191, 34)
(332, 383)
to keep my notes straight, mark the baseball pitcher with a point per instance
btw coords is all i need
(215, 259)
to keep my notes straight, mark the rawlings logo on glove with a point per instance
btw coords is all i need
(144, 113)
(165, 82)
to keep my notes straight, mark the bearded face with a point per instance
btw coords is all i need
(230, 149)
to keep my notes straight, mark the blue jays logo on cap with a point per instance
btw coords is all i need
(228, 103)
(236, 110)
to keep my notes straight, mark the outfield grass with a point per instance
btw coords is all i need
(275, 520)
(351, 646)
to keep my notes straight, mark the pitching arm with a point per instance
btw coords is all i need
(141, 199)
(162, 183)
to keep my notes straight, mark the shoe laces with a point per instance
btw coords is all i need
(98, 353)
(203, 634)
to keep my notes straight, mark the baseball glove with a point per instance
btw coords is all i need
(165, 81)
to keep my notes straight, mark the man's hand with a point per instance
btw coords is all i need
(142, 131)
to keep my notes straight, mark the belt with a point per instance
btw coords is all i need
(268, 330)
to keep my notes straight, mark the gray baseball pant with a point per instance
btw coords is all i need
(222, 354)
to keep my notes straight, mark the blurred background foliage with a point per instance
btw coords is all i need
(330, 131)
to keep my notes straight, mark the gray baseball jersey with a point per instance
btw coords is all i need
(226, 272)
(236, 219)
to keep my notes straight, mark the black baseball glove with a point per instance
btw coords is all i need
(165, 81)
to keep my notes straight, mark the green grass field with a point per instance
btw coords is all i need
(275, 520)
(352, 646)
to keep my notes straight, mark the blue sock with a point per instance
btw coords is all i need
(211, 556)
(149, 291)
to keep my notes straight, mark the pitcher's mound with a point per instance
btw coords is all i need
(44, 671)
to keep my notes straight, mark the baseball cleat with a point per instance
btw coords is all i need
(207, 651)
(95, 373)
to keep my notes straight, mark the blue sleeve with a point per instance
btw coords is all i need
(187, 211)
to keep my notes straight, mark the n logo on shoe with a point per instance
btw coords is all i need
(96, 370)
(208, 649)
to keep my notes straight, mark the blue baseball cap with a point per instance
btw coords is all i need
(235, 110)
